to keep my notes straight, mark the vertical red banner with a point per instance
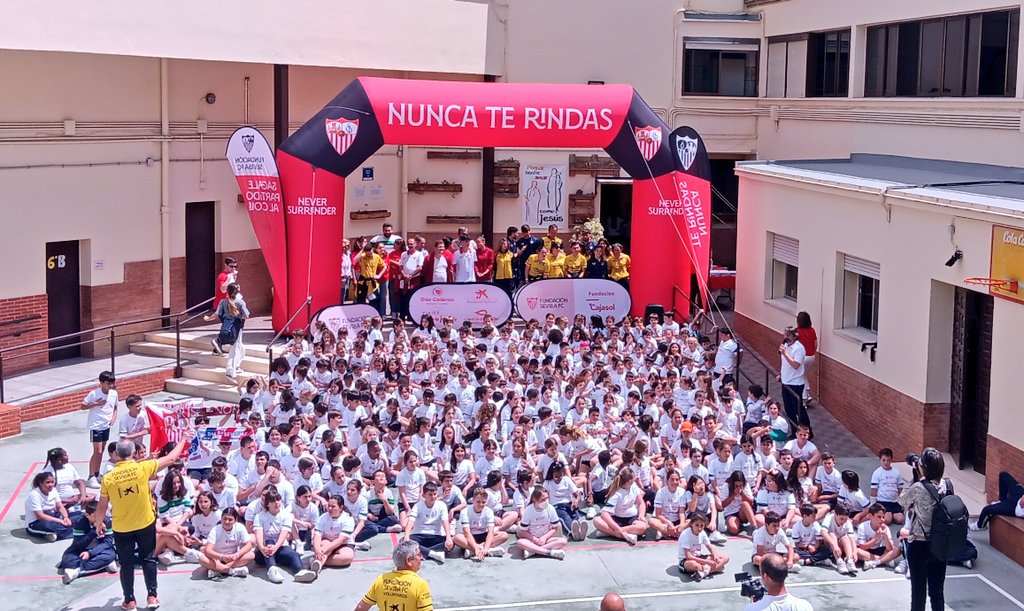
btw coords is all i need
(314, 208)
(252, 162)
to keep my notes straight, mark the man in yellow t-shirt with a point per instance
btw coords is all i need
(371, 268)
(575, 261)
(556, 262)
(126, 490)
(401, 589)
(537, 265)
(618, 266)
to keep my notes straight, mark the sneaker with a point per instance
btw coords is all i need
(152, 602)
(974, 527)
(841, 567)
(305, 576)
(275, 575)
(363, 546)
(526, 554)
(437, 556)
(50, 537)
(901, 568)
(630, 539)
(851, 566)
(316, 566)
(113, 567)
(892, 563)
(300, 547)
(558, 554)
(216, 347)
(968, 564)
(591, 512)
(795, 568)
(129, 606)
(467, 554)
(574, 530)
(70, 575)
(239, 572)
(167, 558)
(231, 378)
(192, 556)
(700, 575)
(212, 574)
(512, 529)
(717, 537)
(496, 552)
(396, 528)
(658, 536)
(870, 564)
(93, 482)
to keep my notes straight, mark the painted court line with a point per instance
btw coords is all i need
(17, 491)
(676, 593)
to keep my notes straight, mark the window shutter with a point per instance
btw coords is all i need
(862, 267)
(786, 250)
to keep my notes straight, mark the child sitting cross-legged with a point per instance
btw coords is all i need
(88, 552)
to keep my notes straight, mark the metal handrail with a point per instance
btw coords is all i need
(111, 338)
(309, 320)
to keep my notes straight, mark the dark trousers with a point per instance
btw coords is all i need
(99, 558)
(429, 543)
(505, 284)
(39, 528)
(793, 401)
(1010, 492)
(624, 283)
(372, 529)
(383, 290)
(927, 577)
(823, 553)
(285, 557)
(567, 515)
(137, 546)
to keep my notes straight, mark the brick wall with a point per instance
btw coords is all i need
(23, 332)
(858, 401)
(70, 402)
(1001, 456)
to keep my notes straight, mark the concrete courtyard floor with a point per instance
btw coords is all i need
(645, 575)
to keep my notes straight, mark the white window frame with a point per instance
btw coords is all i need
(855, 272)
(783, 255)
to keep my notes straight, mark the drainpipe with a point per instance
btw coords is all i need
(165, 197)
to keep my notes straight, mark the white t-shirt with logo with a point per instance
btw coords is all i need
(696, 544)
(670, 503)
(770, 542)
(331, 528)
(100, 417)
(230, 541)
(889, 483)
(478, 523)
(272, 524)
(806, 535)
(539, 522)
(428, 520)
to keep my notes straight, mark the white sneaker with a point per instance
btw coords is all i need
(973, 526)
(870, 564)
(717, 537)
(212, 574)
(437, 557)
(300, 547)
(316, 566)
(496, 552)
(93, 482)
(396, 528)
(795, 568)
(168, 558)
(305, 576)
(841, 567)
(50, 537)
(363, 546)
(851, 566)
(231, 378)
(113, 567)
(275, 575)
(70, 575)
(658, 536)
(700, 575)
(513, 529)
(192, 556)
(239, 572)
(968, 564)
(558, 554)
(901, 568)
(591, 512)
(467, 554)
(526, 554)
(630, 539)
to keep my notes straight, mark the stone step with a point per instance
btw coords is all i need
(205, 389)
(251, 363)
(200, 340)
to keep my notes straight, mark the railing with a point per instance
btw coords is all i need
(307, 305)
(111, 338)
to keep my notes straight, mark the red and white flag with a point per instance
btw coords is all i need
(167, 421)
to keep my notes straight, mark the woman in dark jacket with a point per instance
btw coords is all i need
(927, 572)
(597, 264)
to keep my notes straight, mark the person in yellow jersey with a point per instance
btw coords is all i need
(125, 489)
(618, 266)
(552, 237)
(575, 261)
(371, 268)
(401, 589)
(537, 265)
(503, 274)
(556, 262)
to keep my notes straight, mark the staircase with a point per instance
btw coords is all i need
(202, 373)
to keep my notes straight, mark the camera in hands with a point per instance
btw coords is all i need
(750, 587)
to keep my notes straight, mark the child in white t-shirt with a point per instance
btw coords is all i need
(538, 528)
(886, 486)
(228, 548)
(693, 558)
(807, 537)
(874, 542)
(769, 538)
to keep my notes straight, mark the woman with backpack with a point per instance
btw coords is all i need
(232, 313)
(927, 571)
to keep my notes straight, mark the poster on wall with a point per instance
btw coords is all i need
(462, 302)
(571, 296)
(544, 199)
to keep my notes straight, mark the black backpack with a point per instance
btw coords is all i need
(948, 535)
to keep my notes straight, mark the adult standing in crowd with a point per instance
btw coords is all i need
(394, 263)
(512, 236)
(504, 275)
(552, 238)
(387, 237)
(484, 261)
(232, 313)
(809, 338)
(228, 275)
(463, 236)
(412, 262)
(597, 264)
(726, 357)
(346, 268)
(792, 375)
(526, 246)
(437, 268)
(618, 266)
(464, 261)
(774, 571)
(401, 588)
(125, 490)
(927, 572)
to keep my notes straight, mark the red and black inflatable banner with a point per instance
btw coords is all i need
(670, 169)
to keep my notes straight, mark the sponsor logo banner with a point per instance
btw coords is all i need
(468, 301)
(351, 316)
(571, 296)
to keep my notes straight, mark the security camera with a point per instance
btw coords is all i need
(957, 255)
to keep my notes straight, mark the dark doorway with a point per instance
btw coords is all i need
(200, 256)
(617, 212)
(64, 298)
(724, 198)
(969, 378)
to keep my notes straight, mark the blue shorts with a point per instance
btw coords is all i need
(891, 507)
(99, 435)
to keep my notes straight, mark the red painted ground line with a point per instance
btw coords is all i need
(17, 491)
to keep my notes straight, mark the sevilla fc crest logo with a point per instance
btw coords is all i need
(648, 139)
(247, 141)
(342, 133)
(532, 302)
(686, 148)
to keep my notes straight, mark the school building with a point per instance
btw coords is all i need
(119, 203)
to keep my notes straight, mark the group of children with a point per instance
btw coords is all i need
(465, 440)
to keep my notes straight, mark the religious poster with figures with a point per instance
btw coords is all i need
(544, 196)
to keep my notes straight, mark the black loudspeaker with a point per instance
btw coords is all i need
(654, 308)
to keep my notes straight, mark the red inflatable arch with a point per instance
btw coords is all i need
(671, 191)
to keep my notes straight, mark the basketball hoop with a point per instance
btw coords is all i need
(1001, 284)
